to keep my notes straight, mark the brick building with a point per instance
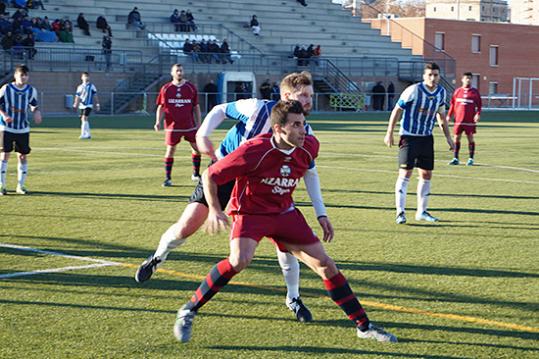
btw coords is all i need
(494, 52)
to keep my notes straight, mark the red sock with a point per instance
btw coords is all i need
(169, 161)
(196, 164)
(342, 295)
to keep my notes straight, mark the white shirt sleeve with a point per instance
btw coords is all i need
(212, 120)
(407, 96)
(312, 184)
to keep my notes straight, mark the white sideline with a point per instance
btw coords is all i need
(97, 262)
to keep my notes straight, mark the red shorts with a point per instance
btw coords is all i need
(466, 127)
(290, 227)
(173, 138)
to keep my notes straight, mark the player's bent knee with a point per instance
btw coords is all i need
(239, 262)
(327, 267)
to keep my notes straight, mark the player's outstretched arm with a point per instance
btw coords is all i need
(217, 220)
(395, 115)
(312, 184)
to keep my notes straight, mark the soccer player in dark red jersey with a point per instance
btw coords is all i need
(466, 106)
(267, 169)
(178, 102)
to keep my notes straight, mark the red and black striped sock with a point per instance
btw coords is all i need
(342, 295)
(216, 279)
(169, 161)
(457, 149)
(196, 164)
(471, 147)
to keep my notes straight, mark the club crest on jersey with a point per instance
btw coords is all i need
(285, 171)
(178, 94)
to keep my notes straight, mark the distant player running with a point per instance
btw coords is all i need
(420, 105)
(85, 99)
(253, 118)
(15, 100)
(466, 106)
(178, 103)
(267, 170)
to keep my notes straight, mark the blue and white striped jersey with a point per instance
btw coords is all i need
(253, 118)
(15, 102)
(420, 108)
(86, 94)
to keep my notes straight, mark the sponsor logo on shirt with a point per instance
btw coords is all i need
(281, 185)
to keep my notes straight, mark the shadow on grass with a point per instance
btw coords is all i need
(122, 196)
(486, 345)
(307, 350)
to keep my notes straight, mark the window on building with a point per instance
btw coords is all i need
(434, 9)
(492, 88)
(469, 8)
(475, 81)
(493, 55)
(439, 41)
(476, 44)
(452, 8)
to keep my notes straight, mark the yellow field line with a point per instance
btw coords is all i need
(391, 307)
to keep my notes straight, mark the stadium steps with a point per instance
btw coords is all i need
(124, 95)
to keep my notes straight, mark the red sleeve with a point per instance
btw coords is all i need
(231, 167)
(161, 97)
(312, 146)
(478, 103)
(195, 96)
(452, 104)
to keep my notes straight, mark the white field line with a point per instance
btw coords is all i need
(96, 262)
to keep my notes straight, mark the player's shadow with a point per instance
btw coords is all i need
(286, 350)
(120, 196)
(471, 344)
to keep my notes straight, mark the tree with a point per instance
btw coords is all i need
(401, 8)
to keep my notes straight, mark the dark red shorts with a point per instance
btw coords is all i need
(291, 228)
(466, 127)
(173, 138)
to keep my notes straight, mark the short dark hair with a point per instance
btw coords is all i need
(469, 74)
(431, 66)
(22, 69)
(85, 73)
(279, 113)
(176, 65)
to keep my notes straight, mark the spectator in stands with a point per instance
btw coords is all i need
(83, 24)
(390, 96)
(275, 92)
(175, 20)
(3, 8)
(5, 25)
(106, 46)
(265, 90)
(56, 26)
(214, 51)
(26, 25)
(19, 15)
(102, 24)
(255, 26)
(66, 32)
(191, 26)
(183, 21)
(45, 24)
(29, 44)
(19, 4)
(8, 41)
(195, 52)
(204, 56)
(225, 53)
(34, 4)
(211, 94)
(134, 19)
(378, 96)
(241, 91)
(302, 2)
(317, 51)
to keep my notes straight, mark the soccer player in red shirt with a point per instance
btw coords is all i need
(267, 169)
(178, 102)
(466, 106)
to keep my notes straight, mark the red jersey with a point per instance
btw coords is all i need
(265, 176)
(465, 104)
(178, 103)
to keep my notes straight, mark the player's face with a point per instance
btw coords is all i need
(177, 73)
(293, 132)
(466, 81)
(85, 78)
(304, 95)
(21, 77)
(431, 77)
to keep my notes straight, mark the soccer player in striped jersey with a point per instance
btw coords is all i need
(85, 99)
(466, 106)
(16, 98)
(266, 170)
(419, 106)
(253, 118)
(178, 103)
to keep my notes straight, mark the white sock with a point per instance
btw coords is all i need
(401, 187)
(3, 173)
(22, 172)
(290, 267)
(87, 128)
(83, 129)
(423, 193)
(169, 241)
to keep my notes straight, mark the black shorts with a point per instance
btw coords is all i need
(416, 151)
(223, 192)
(85, 111)
(20, 140)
